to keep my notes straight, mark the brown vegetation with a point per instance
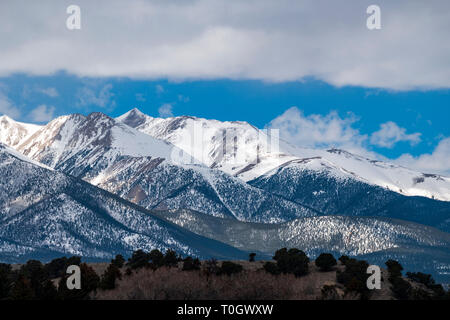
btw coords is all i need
(252, 283)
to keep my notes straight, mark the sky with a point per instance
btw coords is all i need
(311, 69)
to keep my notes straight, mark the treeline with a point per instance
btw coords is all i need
(37, 281)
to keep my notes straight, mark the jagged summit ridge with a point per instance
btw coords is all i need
(218, 146)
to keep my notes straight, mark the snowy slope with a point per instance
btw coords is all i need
(62, 215)
(229, 146)
(68, 136)
(13, 133)
(143, 169)
(326, 188)
(220, 143)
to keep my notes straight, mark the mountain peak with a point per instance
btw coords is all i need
(133, 118)
(97, 116)
(136, 111)
(4, 118)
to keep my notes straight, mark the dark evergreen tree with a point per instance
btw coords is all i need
(109, 277)
(354, 277)
(344, 259)
(139, 259)
(35, 272)
(190, 264)
(394, 268)
(56, 268)
(292, 261)
(6, 280)
(170, 258)
(118, 261)
(325, 261)
(156, 258)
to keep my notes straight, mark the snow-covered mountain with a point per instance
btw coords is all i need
(140, 167)
(149, 171)
(242, 150)
(55, 214)
(13, 133)
(331, 191)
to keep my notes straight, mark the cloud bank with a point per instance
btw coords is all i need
(282, 40)
(390, 133)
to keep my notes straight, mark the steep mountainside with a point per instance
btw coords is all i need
(318, 184)
(61, 215)
(13, 133)
(150, 172)
(247, 152)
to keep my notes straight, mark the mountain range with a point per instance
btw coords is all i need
(96, 186)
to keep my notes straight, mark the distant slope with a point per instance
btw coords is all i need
(332, 192)
(417, 247)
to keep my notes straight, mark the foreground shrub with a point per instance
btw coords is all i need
(354, 277)
(170, 258)
(428, 281)
(6, 280)
(211, 267)
(394, 269)
(271, 268)
(229, 268)
(156, 258)
(118, 261)
(139, 259)
(22, 289)
(109, 277)
(292, 261)
(343, 259)
(325, 261)
(34, 274)
(329, 292)
(190, 264)
(401, 288)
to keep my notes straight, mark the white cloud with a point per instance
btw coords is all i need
(326, 131)
(7, 107)
(140, 97)
(51, 92)
(182, 98)
(319, 131)
(437, 161)
(42, 113)
(88, 96)
(159, 89)
(255, 39)
(390, 133)
(165, 110)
